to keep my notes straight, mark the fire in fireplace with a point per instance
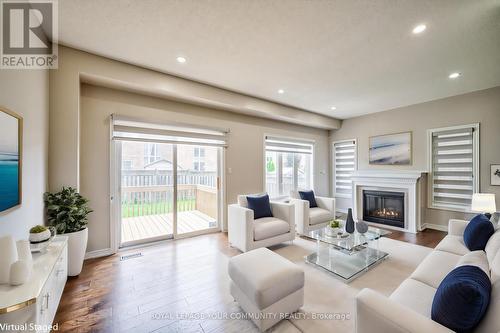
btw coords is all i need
(384, 207)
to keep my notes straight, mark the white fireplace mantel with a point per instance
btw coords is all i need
(391, 180)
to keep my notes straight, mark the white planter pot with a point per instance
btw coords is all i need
(77, 245)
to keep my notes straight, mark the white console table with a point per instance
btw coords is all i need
(33, 305)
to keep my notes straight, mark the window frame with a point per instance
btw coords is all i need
(334, 190)
(475, 166)
(279, 163)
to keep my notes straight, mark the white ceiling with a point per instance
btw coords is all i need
(358, 55)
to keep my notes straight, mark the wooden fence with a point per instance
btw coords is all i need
(151, 192)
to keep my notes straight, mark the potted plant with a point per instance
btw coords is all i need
(67, 211)
(39, 234)
(334, 228)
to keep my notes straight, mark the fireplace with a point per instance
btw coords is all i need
(384, 207)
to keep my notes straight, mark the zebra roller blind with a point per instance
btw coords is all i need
(344, 163)
(454, 166)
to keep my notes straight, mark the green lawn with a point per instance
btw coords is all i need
(143, 209)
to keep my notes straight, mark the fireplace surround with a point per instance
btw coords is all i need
(408, 182)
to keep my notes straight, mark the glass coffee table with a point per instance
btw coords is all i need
(347, 255)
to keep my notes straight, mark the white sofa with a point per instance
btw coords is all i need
(408, 309)
(309, 219)
(246, 233)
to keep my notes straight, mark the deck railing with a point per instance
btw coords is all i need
(151, 192)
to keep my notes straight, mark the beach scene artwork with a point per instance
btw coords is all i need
(9, 161)
(391, 149)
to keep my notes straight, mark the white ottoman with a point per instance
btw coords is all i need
(266, 285)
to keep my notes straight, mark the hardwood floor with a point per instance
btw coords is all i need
(111, 295)
(428, 237)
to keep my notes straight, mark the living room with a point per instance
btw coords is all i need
(194, 167)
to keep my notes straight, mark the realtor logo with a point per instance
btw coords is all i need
(29, 34)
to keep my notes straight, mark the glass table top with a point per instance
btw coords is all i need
(347, 255)
(346, 241)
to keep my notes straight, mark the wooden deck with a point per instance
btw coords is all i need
(156, 226)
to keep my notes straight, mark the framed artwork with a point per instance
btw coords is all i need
(495, 174)
(391, 149)
(11, 143)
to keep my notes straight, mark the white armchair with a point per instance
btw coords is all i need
(309, 219)
(247, 234)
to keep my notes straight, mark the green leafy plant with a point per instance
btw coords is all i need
(335, 223)
(37, 229)
(67, 210)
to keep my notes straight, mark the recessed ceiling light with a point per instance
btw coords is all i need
(333, 108)
(419, 29)
(281, 91)
(181, 60)
(454, 75)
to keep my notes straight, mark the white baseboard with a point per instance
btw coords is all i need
(439, 227)
(98, 253)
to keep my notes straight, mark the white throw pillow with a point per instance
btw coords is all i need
(495, 219)
(475, 258)
(495, 269)
(493, 246)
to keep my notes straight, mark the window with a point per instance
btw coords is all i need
(199, 152)
(453, 166)
(151, 153)
(344, 163)
(199, 166)
(288, 166)
(127, 165)
(199, 159)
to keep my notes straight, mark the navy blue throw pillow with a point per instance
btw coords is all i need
(477, 232)
(309, 196)
(462, 298)
(260, 206)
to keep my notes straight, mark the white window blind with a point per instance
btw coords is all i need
(288, 146)
(454, 166)
(129, 129)
(344, 163)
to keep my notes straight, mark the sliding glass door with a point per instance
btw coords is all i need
(147, 192)
(197, 192)
(167, 190)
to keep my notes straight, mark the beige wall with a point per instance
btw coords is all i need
(478, 107)
(26, 93)
(79, 132)
(75, 65)
(244, 155)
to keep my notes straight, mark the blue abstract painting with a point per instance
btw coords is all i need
(9, 161)
(391, 149)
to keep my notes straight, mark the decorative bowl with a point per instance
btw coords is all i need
(40, 236)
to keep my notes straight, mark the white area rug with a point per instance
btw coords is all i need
(325, 294)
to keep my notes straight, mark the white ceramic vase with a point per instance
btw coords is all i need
(20, 272)
(8, 256)
(24, 250)
(77, 245)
